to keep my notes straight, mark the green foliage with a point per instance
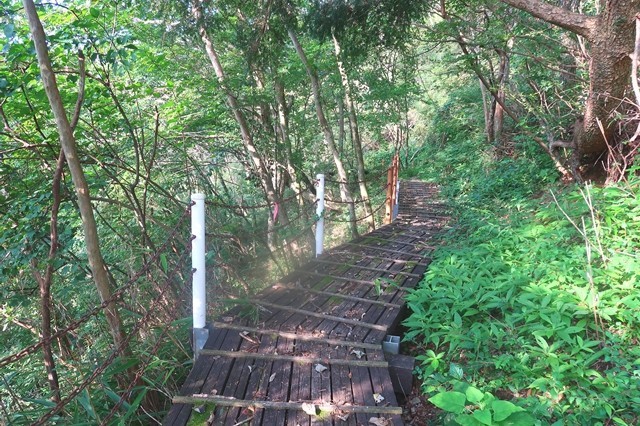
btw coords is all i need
(470, 407)
(535, 295)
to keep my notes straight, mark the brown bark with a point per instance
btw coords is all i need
(345, 193)
(611, 40)
(68, 142)
(247, 137)
(357, 141)
(501, 82)
(474, 66)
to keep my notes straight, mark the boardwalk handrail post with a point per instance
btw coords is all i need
(396, 194)
(319, 214)
(388, 208)
(199, 290)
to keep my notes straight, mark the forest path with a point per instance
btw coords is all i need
(308, 350)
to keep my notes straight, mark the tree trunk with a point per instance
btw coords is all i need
(503, 77)
(611, 39)
(357, 142)
(247, 137)
(68, 142)
(488, 106)
(345, 193)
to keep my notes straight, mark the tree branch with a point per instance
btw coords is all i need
(575, 22)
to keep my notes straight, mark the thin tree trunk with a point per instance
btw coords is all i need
(503, 77)
(345, 193)
(68, 142)
(283, 130)
(487, 106)
(247, 137)
(357, 142)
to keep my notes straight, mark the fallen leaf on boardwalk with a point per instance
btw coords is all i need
(379, 421)
(250, 368)
(378, 398)
(344, 417)
(320, 368)
(310, 409)
(273, 376)
(359, 354)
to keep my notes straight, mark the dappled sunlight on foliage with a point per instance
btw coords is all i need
(534, 298)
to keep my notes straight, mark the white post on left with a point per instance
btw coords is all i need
(319, 214)
(199, 289)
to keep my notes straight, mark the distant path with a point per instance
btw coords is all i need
(313, 340)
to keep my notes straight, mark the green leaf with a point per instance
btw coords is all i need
(9, 30)
(94, 12)
(85, 401)
(503, 409)
(163, 262)
(456, 371)
(467, 420)
(539, 383)
(483, 416)
(453, 402)
(520, 418)
(474, 395)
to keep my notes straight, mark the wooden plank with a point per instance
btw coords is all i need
(395, 241)
(321, 392)
(345, 279)
(291, 358)
(366, 268)
(360, 255)
(344, 296)
(279, 382)
(388, 250)
(180, 414)
(218, 376)
(303, 393)
(280, 405)
(381, 382)
(360, 385)
(341, 391)
(297, 336)
(249, 376)
(319, 315)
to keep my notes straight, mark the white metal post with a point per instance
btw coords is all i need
(198, 255)
(320, 214)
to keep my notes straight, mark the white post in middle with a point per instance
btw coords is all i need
(198, 262)
(319, 214)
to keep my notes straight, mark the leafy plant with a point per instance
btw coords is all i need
(470, 406)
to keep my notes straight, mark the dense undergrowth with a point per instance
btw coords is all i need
(534, 297)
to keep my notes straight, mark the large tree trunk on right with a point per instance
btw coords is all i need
(611, 42)
(609, 71)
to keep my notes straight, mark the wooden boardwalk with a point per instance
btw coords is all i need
(308, 351)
